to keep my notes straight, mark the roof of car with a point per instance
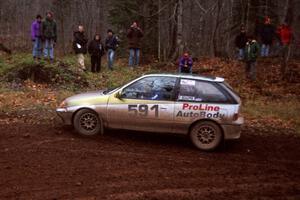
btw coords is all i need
(190, 76)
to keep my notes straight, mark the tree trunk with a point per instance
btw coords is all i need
(159, 33)
(180, 43)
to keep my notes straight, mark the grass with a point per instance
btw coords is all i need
(287, 110)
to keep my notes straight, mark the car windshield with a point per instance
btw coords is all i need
(113, 89)
(110, 90)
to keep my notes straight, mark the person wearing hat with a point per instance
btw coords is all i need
(49, 35)
(267, 35)
(111, 44)
(240, 42)
(185, 63)
(251, 54)
(36, 37)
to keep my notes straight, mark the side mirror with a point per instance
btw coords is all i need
(118, 95)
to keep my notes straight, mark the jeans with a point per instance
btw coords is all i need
(49, 48)
(251, 70)
(37, 48)
(110, 58)
(277, 49)
(134, 52)
(265, 49)
(241, 54)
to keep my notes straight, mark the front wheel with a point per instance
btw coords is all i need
(86, 122)
(206, 135)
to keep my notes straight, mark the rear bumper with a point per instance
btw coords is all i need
(233, 131)
(65, 115)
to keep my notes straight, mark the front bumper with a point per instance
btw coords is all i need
(65, 115)
(233, 131)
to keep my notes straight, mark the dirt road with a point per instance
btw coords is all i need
(45, 162)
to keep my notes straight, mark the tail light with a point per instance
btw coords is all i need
(235, 116)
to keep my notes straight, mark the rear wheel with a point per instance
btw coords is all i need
(87, 123)
(206, 135)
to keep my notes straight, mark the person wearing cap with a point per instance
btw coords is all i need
(36, 37)
(111, 44)
(49, 35)
(240, 42)
(267, 35)
(251, 54)
(134, 35)
(80, 46)
(185, 63)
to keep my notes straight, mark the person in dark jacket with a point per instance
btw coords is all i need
(240, 42)
(49, 35)
(111, 44)
(267, 35)
(36, 37)
(185, 64)
(80, 46)
(96, 50)
(251, 54)
(134, 35)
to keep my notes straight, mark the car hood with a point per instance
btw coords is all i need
(88, 98)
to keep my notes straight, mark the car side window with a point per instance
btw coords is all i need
(151, 88)
(200, 91)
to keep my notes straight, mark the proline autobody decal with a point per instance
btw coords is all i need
(200, 110)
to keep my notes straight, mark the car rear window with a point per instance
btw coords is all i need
(200, 91)
(229, 89)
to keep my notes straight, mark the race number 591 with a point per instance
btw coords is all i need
(142, 110)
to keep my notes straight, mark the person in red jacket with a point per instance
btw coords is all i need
(285, 34)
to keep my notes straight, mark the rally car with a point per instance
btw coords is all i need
(204, 108)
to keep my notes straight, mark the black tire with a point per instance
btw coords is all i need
(206, 135)
(87, 123)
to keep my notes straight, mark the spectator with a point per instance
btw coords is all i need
(111, 44)
(259, 23)
(80, 46)
(251, 53)
(285, 35)
(240, 42)
(267, 34)
(96, 50)
(49, 35)
(36, 38)
(134, 35)
(185, 64)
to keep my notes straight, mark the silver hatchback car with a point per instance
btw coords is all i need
(204, 108)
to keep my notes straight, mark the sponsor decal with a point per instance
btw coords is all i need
(200, 110)
(206, 107)
(188, 82)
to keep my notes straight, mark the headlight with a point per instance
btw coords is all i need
(63, 104)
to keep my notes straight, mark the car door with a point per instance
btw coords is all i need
(197, 100)
(147, 105)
